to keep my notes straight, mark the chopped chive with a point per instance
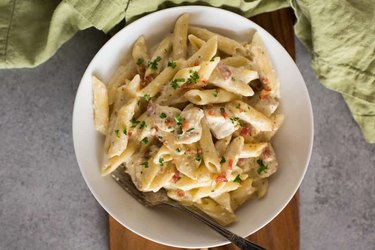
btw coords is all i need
(154, 64)
(145, 164)
(144, 140)
(178, 119)
(134, 122)
(233, 79)
(163, 115)
(178, 150)
(125, 131)
(172, 64)
(237, 179)
(262, 168)
(175, 83)
(194, 77)
(198, 158)
(143, 125)
(222, 110)
(140, 61)
(215, 93)
(222, 159)
(189, 130)
(147, 97)
(238, 106)
(161, 161)
(117, 133)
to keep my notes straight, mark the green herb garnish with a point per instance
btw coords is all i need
(174, 83)
(179, 131)
(198, 158)
(194, 77)
(163, 115)
(154, 64)
(143, 125)
(140, 61)
(233, 79)
(178, 120)
(262, 168)
(222, 159)
(189, 130)
(237, 179)
(145, 164)
(172, 64)
(134, 122)
(144, 140)
(238, 106)
(222, 110)
(125, 131)
(178, 150)
(161, 161)
(215, 93)
(147, 97)
(117, 133)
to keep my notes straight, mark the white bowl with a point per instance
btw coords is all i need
(293, 143)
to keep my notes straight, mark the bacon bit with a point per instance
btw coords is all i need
(211, 112)
(225, 115)
(241, 161)
(264, 94)
(221, 178)
(264, 80)
(191, 151)
(169, 122)
(224, 71)
(149, 78)
(176, 176)
(142, 70)
(130, 134)
(197, 62)
(180, 193)
(230, 164)
(185, 126)
(151, 108)
(242, 110)
(266, 153)
(245, 131)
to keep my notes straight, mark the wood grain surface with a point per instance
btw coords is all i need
(283, 231)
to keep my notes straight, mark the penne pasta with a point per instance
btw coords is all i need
(196, 120)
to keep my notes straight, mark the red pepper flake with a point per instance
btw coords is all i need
(245, 131)
(230, 164)
(222, 177)
(176, 176)
(180, 193)
(242, 110)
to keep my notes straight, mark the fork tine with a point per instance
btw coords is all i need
(124, 180)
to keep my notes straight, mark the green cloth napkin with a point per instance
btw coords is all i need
(339, 34)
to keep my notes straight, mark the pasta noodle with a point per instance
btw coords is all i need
(195, 118)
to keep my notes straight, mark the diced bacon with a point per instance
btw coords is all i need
(151, 108)
(130, 134)
(222, 178)
(185, 126)
(266, 153)
(169, 122)
(225, 115)
(224, 71)
(180, 193)
(230, 164)
(149, 79)
(176, 176)
(245, 131)
(211, 112)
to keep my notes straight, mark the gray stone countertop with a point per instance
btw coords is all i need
(45, 204)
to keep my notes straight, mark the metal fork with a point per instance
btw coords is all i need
(151, 199)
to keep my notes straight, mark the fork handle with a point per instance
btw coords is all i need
(234, 238)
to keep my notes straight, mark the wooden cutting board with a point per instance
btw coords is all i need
(283, 231)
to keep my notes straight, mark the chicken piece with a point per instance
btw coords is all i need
(218, 121)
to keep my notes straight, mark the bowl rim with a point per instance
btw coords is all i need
(187, 9)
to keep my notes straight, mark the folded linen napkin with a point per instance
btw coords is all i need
(339, 34)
